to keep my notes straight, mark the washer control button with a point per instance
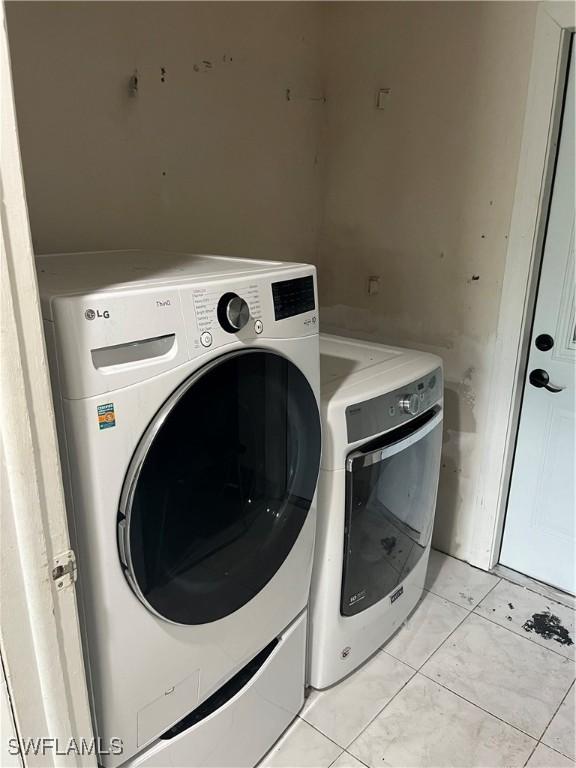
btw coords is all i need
(258, 327)
(206, 339)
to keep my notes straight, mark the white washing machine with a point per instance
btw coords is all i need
(382, 439)
(186, 390)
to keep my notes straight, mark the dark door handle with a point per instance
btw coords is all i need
(539, 378)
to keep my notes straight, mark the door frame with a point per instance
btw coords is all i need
(40, 643)
(555, 23)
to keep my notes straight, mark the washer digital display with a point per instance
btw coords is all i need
(293, 297)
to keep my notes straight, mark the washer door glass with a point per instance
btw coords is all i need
(220, 486)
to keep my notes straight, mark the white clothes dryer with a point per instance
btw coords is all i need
(382, 439)
(186, 390)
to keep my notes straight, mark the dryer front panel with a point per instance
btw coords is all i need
(220, 486)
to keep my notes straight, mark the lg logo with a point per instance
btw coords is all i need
(90, 314)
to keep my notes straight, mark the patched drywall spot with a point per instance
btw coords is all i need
(458, 408)
(466, 388)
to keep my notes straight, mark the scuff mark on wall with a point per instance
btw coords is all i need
(208, 158)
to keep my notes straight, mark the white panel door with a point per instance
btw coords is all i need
(539, 533)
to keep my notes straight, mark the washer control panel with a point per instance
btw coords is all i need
(215, 308)
(249, 308)
(382, 413)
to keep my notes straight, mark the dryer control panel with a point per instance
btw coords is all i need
(382, 413)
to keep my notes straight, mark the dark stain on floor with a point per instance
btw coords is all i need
(388, 544)
(548, 626)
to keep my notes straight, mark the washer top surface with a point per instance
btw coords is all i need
(352, 370)
(89, 272)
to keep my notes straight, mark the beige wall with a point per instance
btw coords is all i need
(421, 194)
(215, 159)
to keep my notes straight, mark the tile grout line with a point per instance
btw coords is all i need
(531, 753)
(504, 578)
(470, 612)
(567, 602)
(530, 640)
(552, 749)
(471, 702)
(369, 723)
(323, 734)
(416, 671)
(554, 715)
(453, 602)
(356, 758)
(486, 711)
(530, 588)
(541, 594)
(344, 752)
(557, 751)
(336, 758)
(474, 611)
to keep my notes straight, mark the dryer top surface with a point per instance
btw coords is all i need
(353, 370)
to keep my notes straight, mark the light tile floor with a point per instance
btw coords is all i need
(461, 684)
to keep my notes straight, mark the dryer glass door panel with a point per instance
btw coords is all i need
(221, 486)
(390, 499)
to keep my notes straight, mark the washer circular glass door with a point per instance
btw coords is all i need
(220, 486)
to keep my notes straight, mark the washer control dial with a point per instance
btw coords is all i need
(233, 312)
(410, 404)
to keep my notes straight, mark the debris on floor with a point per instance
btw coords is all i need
(549, 627)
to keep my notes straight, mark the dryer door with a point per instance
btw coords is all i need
(220, 486)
